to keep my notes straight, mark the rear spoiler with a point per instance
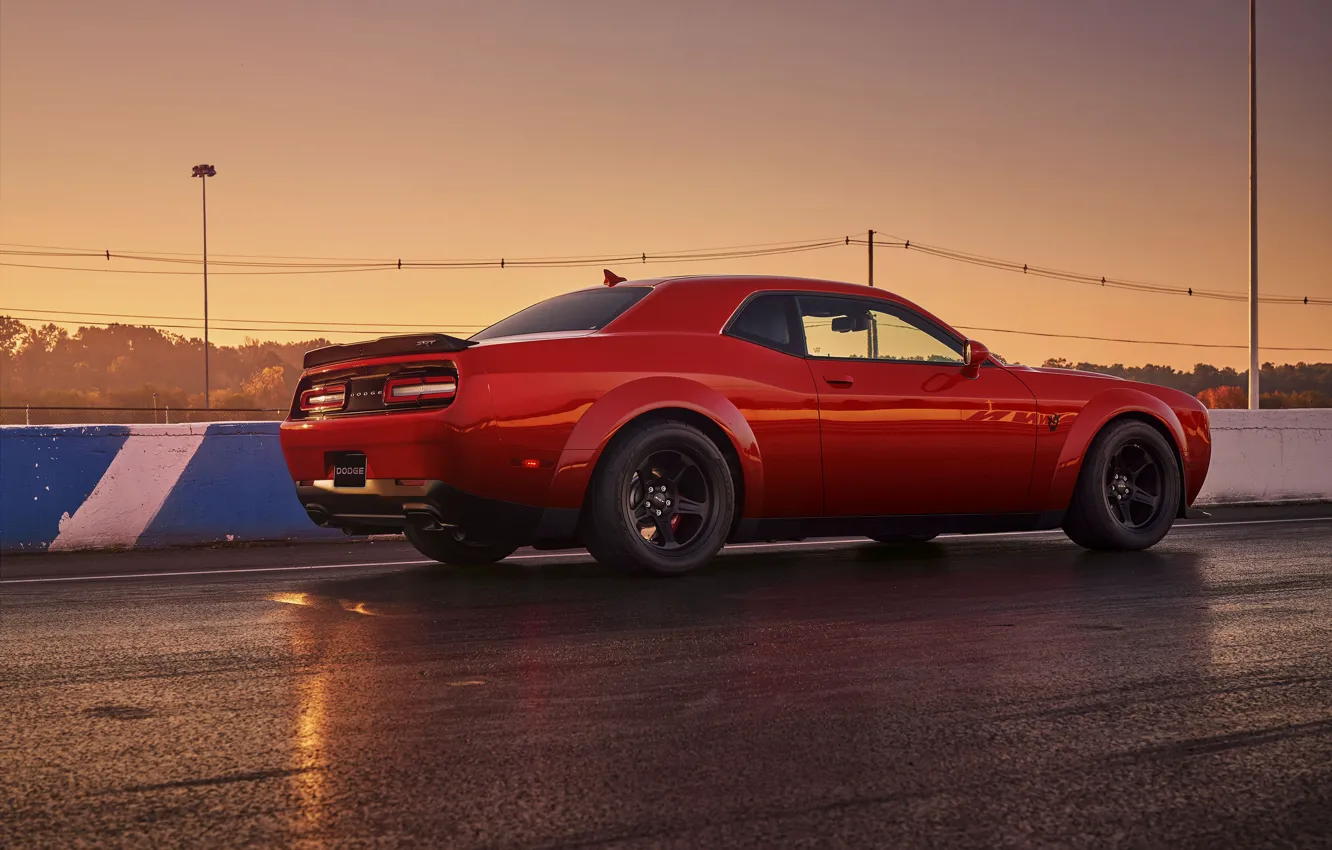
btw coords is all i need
(385, 346)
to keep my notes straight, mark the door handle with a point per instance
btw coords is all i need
(839, 380)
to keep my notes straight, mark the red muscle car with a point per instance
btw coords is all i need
(653, 421)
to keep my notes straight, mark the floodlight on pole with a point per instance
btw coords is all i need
(203, 172)
(1255, 369)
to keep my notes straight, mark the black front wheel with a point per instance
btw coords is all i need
(661, 500)
(1128, 490)
(453, 546)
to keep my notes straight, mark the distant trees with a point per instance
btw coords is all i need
(1237, 398)
(268, 387)
(1219, 398)
(1285, 385)
(136, 366)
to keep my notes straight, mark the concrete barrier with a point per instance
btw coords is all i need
(1264, 456)
(120, 486)
(112, 486)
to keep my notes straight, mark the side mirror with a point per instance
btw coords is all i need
(975, 354)
(853, 322)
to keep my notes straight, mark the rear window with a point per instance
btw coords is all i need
(769, 320)
(586, 310)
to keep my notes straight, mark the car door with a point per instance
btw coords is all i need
(769, 382)
(902, 430)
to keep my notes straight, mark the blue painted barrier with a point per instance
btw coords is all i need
(114, 486)
(122, 486)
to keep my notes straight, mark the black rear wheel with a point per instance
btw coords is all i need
(1128, 490)
(453, 546)
(661, 500)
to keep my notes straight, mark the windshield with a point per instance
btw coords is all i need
(586, 310)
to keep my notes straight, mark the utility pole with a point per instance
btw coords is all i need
(1254, 395)
(870, 241)
(203, 172)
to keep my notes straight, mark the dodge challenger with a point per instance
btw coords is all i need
(654, 421)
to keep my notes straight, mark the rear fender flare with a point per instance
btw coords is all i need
(1094, 416)
(604, 419)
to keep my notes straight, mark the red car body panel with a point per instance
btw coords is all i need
(920, 438)
(1085, 402)
(532, 416)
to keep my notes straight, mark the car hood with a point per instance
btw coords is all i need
(1047, 370)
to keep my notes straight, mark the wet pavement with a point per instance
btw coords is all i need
(999, 691)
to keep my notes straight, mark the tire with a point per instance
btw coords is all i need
(903, 539)
(452, 547)
(635, 527)
(1128, 490)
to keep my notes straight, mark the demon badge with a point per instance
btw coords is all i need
(1052, 420)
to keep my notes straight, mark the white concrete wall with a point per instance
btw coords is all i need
(1269, 456)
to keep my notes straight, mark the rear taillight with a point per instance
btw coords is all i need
(324, 399)
(419, 388)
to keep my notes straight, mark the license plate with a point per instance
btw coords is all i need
(348, 469)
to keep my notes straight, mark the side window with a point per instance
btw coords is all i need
(769, 320)
(847, 328)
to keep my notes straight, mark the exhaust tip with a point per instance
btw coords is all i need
(424, 517)
(318, 515)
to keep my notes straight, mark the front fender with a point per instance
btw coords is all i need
(605, 417)
(1089, 421)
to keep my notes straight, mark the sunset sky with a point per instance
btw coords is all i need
(1102, 136)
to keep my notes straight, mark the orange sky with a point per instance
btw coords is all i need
(1106, 137)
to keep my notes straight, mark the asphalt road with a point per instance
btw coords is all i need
(999, 691)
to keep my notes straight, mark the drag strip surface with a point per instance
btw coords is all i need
(1006, 690)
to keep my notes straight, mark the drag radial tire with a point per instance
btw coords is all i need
(1128, 489)
(450, 546)
(661, 500)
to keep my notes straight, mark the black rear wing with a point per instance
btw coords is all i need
(385, 346)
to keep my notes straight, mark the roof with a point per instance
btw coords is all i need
(709, 300)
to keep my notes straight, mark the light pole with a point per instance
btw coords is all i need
(1254, 398)
(203, 172)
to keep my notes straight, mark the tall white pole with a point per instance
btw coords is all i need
(1254, 396)
(204, 181)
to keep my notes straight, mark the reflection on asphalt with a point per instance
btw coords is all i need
(1014, 691)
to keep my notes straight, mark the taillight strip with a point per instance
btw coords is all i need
(405, 390)
(323, 399)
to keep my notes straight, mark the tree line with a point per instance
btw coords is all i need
(139, 366)
(1283, 385)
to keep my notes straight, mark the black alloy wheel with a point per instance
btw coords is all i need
(1133, 486)
(1128, 490)
(661, 500)
(669, 500)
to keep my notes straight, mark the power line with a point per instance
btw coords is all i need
(261, 265)
(1082, 278)
(257, 321)
(426, 328)
(1134, 341)
(191, 274)
(101, 252)
(199, 327)
(695, 255)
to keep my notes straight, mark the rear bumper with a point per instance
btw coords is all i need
(459, 445)
(384, 505)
